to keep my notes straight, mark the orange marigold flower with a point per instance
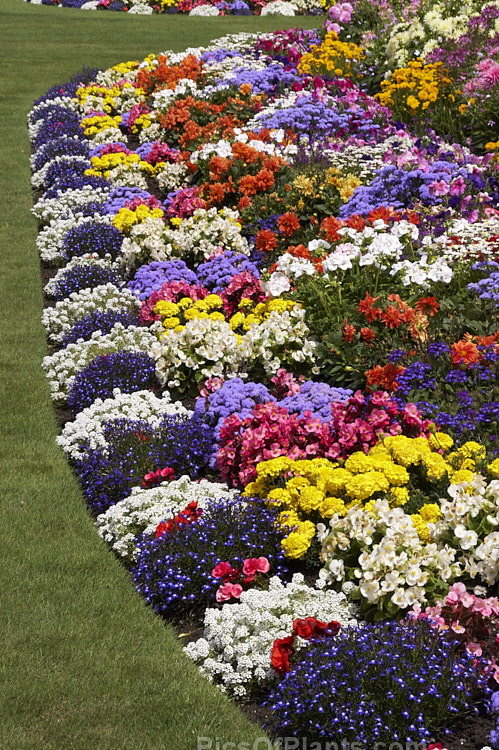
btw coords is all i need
(265, 241)
(356, 222)
(348, 332)
(384, 378)
(392, 317)
(288, 223)
(464, 352)
(427, 305)
(367, 335)
(367, 309)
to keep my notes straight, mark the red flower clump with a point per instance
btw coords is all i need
(189, 515)
(157, 477)
(308, 628)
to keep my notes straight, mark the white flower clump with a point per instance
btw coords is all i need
(143, 510)
(61, 101)
(206, 231)
(282, 340)
(204, 348)
(145, 242)
(204, 10)
(238, 638)
(87, 259)
(49, 240)
(67, 204)
(38, 178)
(279, 8)
(62, 367)
(172, 176)
(423, 273)
(59, 320)
(127, 174)
(163, 98)
(396, 568)
(86, 431)
(472, 514)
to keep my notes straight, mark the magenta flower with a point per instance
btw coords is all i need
(229, 591)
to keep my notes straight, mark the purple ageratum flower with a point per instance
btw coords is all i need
(268, 81)
(121, 195)
(236, 396)
(316, 398)
(217, 272)
(128, 371)
(151, 277)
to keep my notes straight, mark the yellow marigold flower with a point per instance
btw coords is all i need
(396, 475)
(471, 449)
(493, 468)
(412, 102)
(175, 221)
(430, 512)
(436, 466)
(274, 467)
(398, 496)
(310, 499)
(166, 309)
(332, 505)
(296, 483)
(441, 441)
(297, 542)
(362, 486)
(288, 519)
(336, 481)
(421, 527)
(172, 323)
(278, 497)
(462, 475)
(236, 320)
(359, 463)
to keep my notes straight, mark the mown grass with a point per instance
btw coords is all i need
(84, 663)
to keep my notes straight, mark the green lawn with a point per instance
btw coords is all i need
(85, 664)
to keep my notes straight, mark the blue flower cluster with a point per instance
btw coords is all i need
(316, 398)
(271, 80)
(84, 276)
(133, 449)
(217, 272)
(60, 147)
(488, 287)
(173, 572)
(56, 122)
(75, 182)
(99, 320)
(91, 237)
(389, 681)
(152, 276)
(128, 371)
(400, 188)
(121, 195)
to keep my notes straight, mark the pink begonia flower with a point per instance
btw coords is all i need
(254, 565)
(459, 593)
(229, 591)
(474, 648)
(329, 26)
(222, 569)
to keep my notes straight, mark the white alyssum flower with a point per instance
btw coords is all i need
(144, 509)
(60, 319)
(86, 431)
(251, 626)
(62, 367)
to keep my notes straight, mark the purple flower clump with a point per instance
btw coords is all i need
(217, 272)
(317, 399)
(99, 320)
(151, 277)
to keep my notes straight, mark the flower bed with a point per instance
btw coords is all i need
(274, 334)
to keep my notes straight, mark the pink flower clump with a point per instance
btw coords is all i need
(271, 431)
(171, 291)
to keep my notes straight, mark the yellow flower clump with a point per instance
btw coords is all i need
(126, 218)
(332, 56)
(174, 315)
(314, 491)
(413, 89)
(103, 165)
(97, 123)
